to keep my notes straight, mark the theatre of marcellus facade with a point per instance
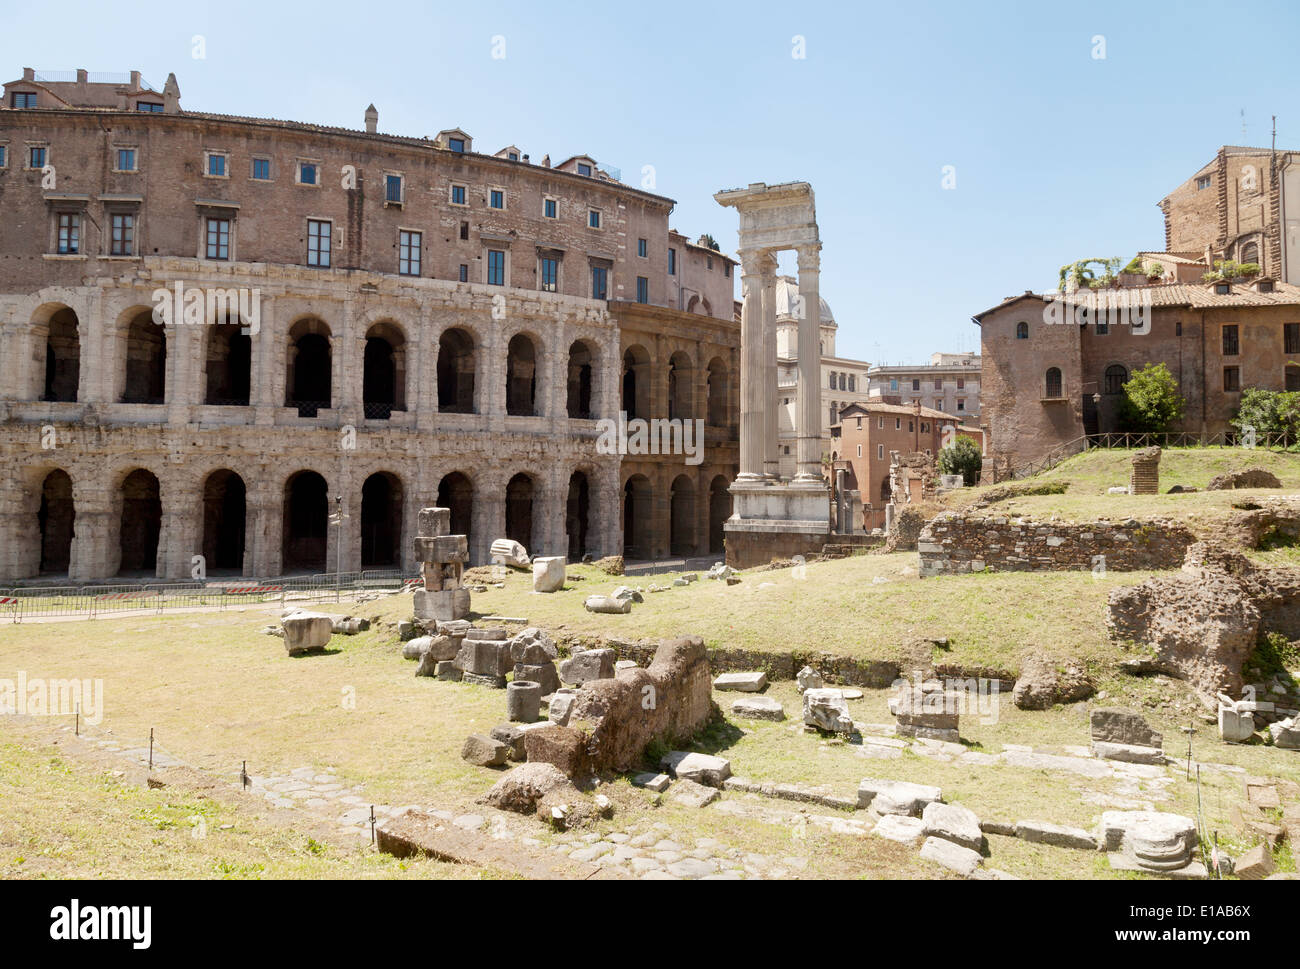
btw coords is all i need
(386, 323)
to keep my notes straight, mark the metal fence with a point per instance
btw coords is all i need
(1131, 441)
(94, 601)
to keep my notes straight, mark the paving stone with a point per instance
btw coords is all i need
(470, 822)
(895, 797)
(952, 856)
(758, 708)
(692, 868)
(1061, 836)
(954, 823)
(642, 864)
(701, 768)
(591, 852)
(899, 827)
(652, 781)
(690, 794)
(744, 682)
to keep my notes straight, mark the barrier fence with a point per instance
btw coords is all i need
(92, 601)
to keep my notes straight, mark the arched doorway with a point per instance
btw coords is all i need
(381, 521)
(62, 356)
(383, 387)
(638, 505)
(309, 380)
(306, 523)
(56, 516)
(576, 513)
(680, 387)
(141, 523)
(521, 377)
(146, 361)
(681, 517)
(519, 511)
(229, 365)
(636, 382)
(719, 512)
(456, 365)
(225, 509)
(718, 388)
(580, 373)
(456, 493)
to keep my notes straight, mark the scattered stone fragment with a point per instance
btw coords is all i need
(548, 573)
(652, 781)
(899, 827)
(590, 664)
(1286, 733)
(523, 701)
(690, 794)
(1061, 836)
(484, 751)
(522, 787)
(895, 797)
(826, 710)
(809, 679)
(1128, 753)
(927, 711)
(954, 823)
(701, 768)
(952, 856)
(607, 604)
(1255, 864)
(306, 632)
(743, 682)
(758, 708)
(561, 706)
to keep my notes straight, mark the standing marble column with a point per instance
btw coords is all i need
(751, 368)
(771, 421)
(809, 415)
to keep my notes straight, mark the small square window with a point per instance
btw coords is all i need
(307, 173)
(497, 199)
(1203, 182)
(513, 155)
(36, 156)
(393, 188)
(593, 218)
(458, 195)
(23, 99)
(550, 209)
(217, 165)
(126, 159)
(262, 169)
(1231, 379)
(456, 144)
(584, 168)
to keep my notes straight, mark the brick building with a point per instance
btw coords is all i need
(421, 323)
(949, 383)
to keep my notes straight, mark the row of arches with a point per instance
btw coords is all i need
(681, 399)
(639, 518)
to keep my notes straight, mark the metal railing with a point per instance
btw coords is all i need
(1121, 440)
(95, 601)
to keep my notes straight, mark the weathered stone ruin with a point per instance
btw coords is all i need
(1245, 478)
(1144, 474)
(548, 573)
(928, 710)
(1123, 735)
(306, 632)
(442, 558)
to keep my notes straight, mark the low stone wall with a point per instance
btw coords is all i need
(954, 543)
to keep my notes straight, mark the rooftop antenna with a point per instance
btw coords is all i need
(1244, 140)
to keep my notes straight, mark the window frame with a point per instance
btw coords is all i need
(493, 193)
(595, 220)
(643, 290)
(551, 202)
(1230, 336)
(298, 166)
(464, 193)
(208, 221)
(1235, 372)
(44, 148)
(314, 222)
(554, 284)
(601, 292)
(401, 189)
(252, 168)
(410, 241)
(117, 159)
(129, 232)
(74, 232)
(211, 155)
(503, 268)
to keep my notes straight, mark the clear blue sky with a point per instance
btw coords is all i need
(1058, 155)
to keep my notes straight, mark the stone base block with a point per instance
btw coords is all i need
(441, 606)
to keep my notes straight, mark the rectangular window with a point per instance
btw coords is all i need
(497, 199)
(464, 230)
(916, 385)
(880, 423)
(456, 144)
(1203, 182)
(153, 107)
(641, 248)
(36, 157)
(464, 273)
(593, 218)
(880, 452)
(961, 383)
(1230, 344)
(549, 209)
(69, 234)
(642, 289)
(584, 168)
(121, 235)
(393, 188)
(898, 423)
(961, 403)
(458, 195)
(23, 99)
(893, 383)
(1292, 378)
(938, 384)
(217, 165)
(126, 159)
(4, 156)
(859, 450)
(496, 270)
(218, 239)
(262, 169)
(550, 274)
(1291, 337)
(319, 238)
(1178, 328)
(726, 269)
(306, 173)
(672, 262)
(599, 282)
(408, 252)
(1231, 379)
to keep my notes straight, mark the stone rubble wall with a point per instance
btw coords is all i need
(955, 543)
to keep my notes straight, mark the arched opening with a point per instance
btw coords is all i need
(580, 371)
(55, 517)
(637, 507)
(224, 515)
(636, 383)
(141, 523)
(680, 387)
(719, 511)
(519, 511)
(146, 361)
(521, 377)
(1116, 378)
(456, 372)
(456, 493)
(1052, 383)
(381, 521)
(1250, 253)
(1022, 331)
(717, 411)
(306, 523)
(681, 517)
(383, 382)
(62, 357)
(309, 379)
(229, 365)
(575, 515)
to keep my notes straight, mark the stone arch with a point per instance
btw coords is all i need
(1052, 383)
(719, 511)
(1115, 377)
(383, 381)
(719, 386)
(456, 492)
(681, 517)
(636, 382)
(58, 326)
(457, 363)
(638, 509)
(144, 362)
(228, 364)
(522, 357)
(1022, 330)
(581, 395)
(56, 519)
(520, 491)
(140, 523)
(309, 383)
(225, 519)
(577, 515)
(681, 387)
(381, 520)
(305, 538)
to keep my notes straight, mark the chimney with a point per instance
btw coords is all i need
(525, 159)
(372, 120)
(82, 75)
(29, 74)
(135, 80)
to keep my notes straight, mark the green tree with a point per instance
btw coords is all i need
(1152, 403)
(962, 457)
(1271, 413)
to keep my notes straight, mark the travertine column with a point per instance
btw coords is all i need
(751, 368)
(809, 416)
(771, 455)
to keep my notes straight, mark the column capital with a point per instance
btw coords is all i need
(810, 259)
(757, 262)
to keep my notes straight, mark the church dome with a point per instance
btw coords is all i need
(787, 288)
